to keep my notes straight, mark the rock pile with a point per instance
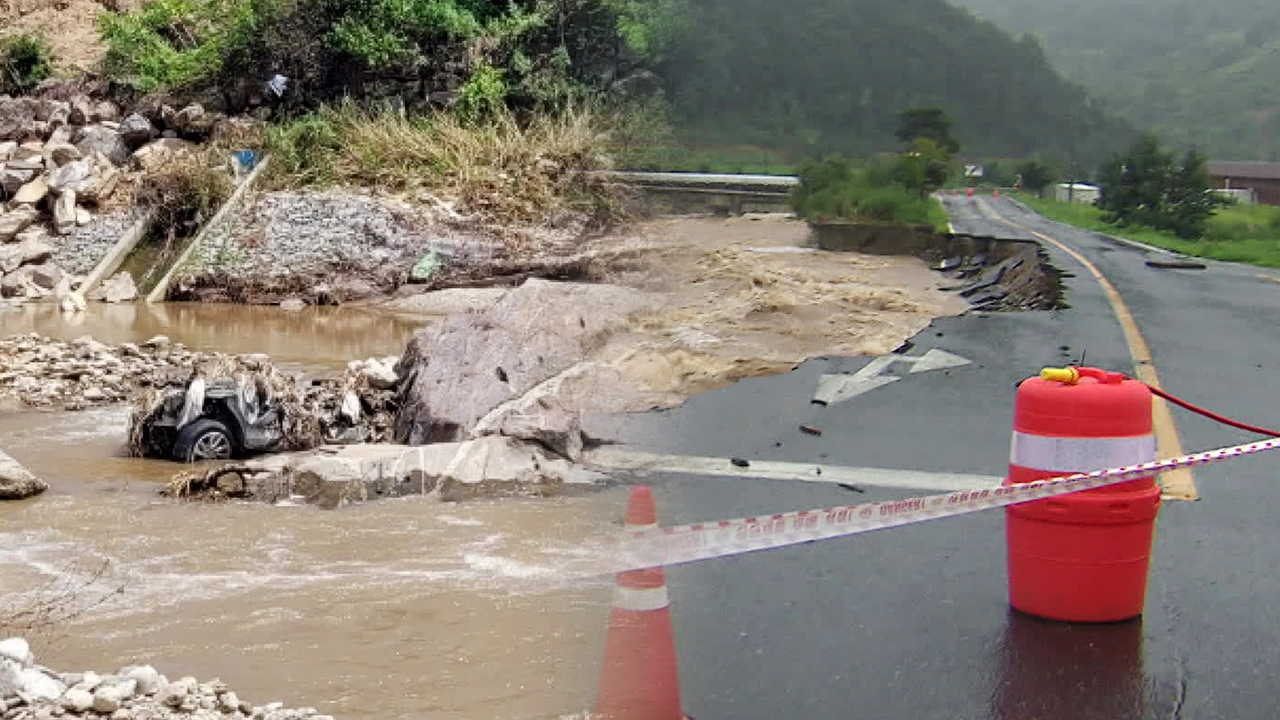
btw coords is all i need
(61, 162)
(136, 692)
(40, 372)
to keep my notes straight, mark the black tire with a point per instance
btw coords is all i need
(204, 439)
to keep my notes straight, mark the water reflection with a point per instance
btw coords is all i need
(317, 337)
(1060, 671)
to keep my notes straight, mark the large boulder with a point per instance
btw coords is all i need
(7, 150)
(45, 275)
(98, 139)
(137, 131)
(155, 154)
(15, 221)
(492, 366)
(16, 116)
(16, 482)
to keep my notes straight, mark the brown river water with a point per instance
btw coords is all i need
(399, 609)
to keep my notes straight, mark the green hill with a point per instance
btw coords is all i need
(1199, 73)
(820, 75)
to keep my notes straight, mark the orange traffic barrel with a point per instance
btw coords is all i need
(1081, 557)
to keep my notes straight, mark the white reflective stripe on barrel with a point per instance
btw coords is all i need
(1037, 452)
(644, 600)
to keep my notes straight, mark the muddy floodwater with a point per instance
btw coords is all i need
(403, 609)
(313, 338)
(400, 609)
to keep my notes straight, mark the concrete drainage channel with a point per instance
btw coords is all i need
(993, 274)
(153, 266)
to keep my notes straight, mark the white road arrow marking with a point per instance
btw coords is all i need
(935, 359)
(838, 388)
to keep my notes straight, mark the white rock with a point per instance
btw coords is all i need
(127, 687)
(39, 685)
(17, 483)
(33, 192)
(293, 305)
(122, 714)
(379, 375)
(159, 341)
(106, 700)
(120, 288)
(64, 212)
(89, 680)
(17, 650)
(10, 678)
(83, 217)
(229, 703)
(7, 150)
(94, 394)
(77, 700)
(146, 676)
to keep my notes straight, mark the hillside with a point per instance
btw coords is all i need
(1198, 73)
(818, 75)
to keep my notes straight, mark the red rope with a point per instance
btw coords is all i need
(1213, 415)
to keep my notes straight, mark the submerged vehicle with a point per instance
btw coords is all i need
(222, 421)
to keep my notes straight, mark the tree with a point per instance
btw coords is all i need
(1147, 186)
(927, 123)
(924, 168)
(1036, 175)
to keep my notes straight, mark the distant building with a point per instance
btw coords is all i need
(1261, 177)
(1244, 196)
(1076, 192)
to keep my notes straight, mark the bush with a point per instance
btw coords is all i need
(838, 188)
(25, 61)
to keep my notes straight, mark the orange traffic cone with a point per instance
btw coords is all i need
(640, 680)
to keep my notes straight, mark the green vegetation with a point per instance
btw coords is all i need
(512, 170)
(1146, 186)
(1236, 233)
(838, 188)
(1198, 73)
(185, 194)
(524, 54)
(814, 77)
(25, 60)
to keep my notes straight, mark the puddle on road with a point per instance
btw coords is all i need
(401, 609)
(314, 338)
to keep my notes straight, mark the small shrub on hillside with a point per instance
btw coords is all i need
(25, 61)
(484, 96)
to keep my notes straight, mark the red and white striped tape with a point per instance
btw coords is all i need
(689, 543)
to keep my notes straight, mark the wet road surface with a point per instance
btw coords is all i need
(914, 622)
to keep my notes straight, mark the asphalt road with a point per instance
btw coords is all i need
(914, 622)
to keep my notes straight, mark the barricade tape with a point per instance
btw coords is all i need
(705, 541)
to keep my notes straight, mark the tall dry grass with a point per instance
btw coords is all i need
(509, 170)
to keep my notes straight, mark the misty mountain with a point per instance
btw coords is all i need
(822, 75)
(1199, 72)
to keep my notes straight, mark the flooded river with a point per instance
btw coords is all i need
(393, 610)
(313, 338)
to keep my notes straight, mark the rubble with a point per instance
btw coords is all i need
(29, 691)
(331, 477)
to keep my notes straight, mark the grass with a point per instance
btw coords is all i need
(524, 172)
(1237, 233)
(841, 189)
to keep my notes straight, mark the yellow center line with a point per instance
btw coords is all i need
(1178, 484)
